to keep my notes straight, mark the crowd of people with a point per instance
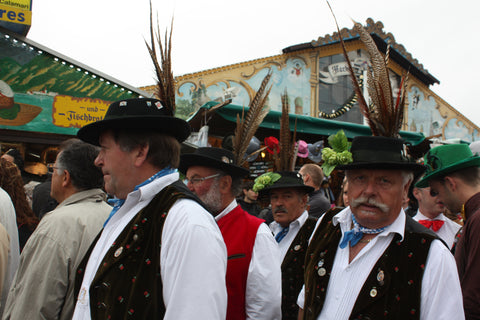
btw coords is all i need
(140, 231)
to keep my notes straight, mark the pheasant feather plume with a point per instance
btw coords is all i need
(248, 124)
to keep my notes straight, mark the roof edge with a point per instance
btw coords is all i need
(72, 61)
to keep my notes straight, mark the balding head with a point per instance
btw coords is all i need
(312, 175)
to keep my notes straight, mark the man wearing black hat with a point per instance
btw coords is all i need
(160, 254)
(371, 261)
(292, 228)
(253, 270)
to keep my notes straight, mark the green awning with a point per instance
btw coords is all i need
(222, 122)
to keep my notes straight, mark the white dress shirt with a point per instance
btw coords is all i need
(293, 229)
(193, 256)
(447, 232)
(441, 296)
(263, 296)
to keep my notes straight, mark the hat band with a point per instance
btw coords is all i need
(377, 156)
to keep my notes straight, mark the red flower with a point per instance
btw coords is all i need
(272, 145)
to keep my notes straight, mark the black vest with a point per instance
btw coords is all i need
(128, 284)
(393, 288)
(293, 266)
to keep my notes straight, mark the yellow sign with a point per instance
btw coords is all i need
(19, 4)
(76, 112)
(14, 15)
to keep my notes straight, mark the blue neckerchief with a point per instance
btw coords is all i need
(117, 203)
(354, 235)
(282, 234)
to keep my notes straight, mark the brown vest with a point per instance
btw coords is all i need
(393, 288)
(293, 266)
(128, 283)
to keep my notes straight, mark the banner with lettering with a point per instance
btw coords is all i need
(41, 92)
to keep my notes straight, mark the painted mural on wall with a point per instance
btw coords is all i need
(427, 115)
(293, 76)
(423, 113)
(42, 93)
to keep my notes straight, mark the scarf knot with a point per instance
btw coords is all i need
(353, 236)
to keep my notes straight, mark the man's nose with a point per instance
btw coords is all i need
(370, 188)
(98, 161)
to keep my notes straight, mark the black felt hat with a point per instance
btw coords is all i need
(377, 152)
(216, 158)
(136, 114)
(287, 180)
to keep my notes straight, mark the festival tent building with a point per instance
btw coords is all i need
(45, 97)
(316, 78)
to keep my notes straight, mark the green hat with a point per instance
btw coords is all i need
(445, 159)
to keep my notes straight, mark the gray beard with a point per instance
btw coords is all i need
(213, 198)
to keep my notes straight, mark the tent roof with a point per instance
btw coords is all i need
(222, 122)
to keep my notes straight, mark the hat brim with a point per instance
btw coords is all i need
(266, 191)
(469, 162)
(172, 126)
(415, 167)
(190, 159)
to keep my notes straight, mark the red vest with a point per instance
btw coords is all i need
(239, 230)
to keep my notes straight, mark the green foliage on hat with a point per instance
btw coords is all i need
(265, 180)
(338, 154)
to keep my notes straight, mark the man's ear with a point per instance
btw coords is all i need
(140, 154)
(67, 180)
(225, 183)
(304, 198)
(306, 177)
(450, 183)
(416, 193)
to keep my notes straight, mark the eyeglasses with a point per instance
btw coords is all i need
(198, 180)
(51, 167)
(433, 193)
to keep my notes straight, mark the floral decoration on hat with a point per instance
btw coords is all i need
(265, 180)
(272, 145)
(338, 154)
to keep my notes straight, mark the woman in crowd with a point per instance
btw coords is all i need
(11, 181)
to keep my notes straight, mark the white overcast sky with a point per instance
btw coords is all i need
(108, 35)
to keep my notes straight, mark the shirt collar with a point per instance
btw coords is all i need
(299, 222)
(148, 191)
(229, 208)
(344, 217)
(421, 216)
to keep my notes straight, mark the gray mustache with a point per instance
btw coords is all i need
(364, 200)
(280, 209)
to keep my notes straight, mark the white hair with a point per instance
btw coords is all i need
(407, 177)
